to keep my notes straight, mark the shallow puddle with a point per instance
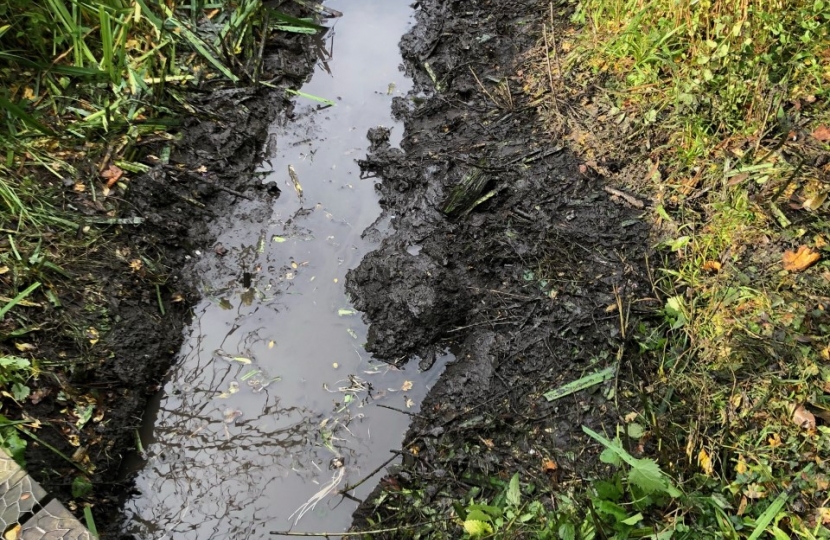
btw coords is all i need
(274, 405)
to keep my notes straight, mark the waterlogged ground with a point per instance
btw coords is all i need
(274, 402)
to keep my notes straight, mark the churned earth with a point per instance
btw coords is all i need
(126, 300)
(508, 251)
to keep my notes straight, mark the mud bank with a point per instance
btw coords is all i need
(210, 169)
(507, 250)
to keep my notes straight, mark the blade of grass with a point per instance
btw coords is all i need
(202, 49)
(17, 299)
(310, 96)
(90, 522)
(587, 381)
(25, 117)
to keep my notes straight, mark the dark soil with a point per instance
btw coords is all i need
(523, 287)
(120, 371)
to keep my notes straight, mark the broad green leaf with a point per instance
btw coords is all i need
(474, 514)
(477, 528)
(611, 457)
(20, 391)
(514, 494)
(646, 475)
(633, 520)
(567, 531)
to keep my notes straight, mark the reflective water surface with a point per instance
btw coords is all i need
(274, 405)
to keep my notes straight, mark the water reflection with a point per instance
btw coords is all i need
(273, 406)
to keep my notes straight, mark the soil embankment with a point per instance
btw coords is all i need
(143, 273)
(507, 250)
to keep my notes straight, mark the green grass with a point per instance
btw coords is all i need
(733, 96)
(83, 85)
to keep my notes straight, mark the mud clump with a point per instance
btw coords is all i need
(410, 300)
(522, 260)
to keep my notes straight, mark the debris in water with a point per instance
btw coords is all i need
(230, 416)
(343, 312)
(296, 181)
(232, 358)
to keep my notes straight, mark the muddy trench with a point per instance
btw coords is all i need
(422, 226)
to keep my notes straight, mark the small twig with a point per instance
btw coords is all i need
(357, 533)
(413, 415)
(496, 103)
(368, 476)
(636, 203)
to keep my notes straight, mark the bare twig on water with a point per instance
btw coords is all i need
(370, 475)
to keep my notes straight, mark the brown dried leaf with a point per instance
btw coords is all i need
(800, 260)
(804, 418)
(822, 134)
(112, 174)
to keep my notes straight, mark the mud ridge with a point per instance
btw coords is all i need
(210, 170)
(505, 249)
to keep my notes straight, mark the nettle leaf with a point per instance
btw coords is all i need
(567, 531)
(477, 528)
(611, 457)
(10, 440)
(514, 494)
(646, 475)
(20, 391)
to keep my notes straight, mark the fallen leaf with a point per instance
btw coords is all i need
(822, 134)
(797, 261)
(202, 169)
(112, 174)
(136, 265)
(814, 203)
(804, 418)
(775, 441)
(741, 467)
(548, 465)
(742, 506)
(407, 385)
(705, 462)
(92, 335)
(24, 347)
(13, 533)
(38, 395)
(711, 266)
(755, 491)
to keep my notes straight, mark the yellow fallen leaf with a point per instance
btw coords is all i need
(13, 533)
(406, 386)
(24, 347)
(775, 441)
(741, 467)
(711, 266)
(797, 261)
(705, 462)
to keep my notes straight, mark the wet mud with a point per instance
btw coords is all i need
(505, 249)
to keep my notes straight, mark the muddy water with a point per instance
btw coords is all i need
(274, 404)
